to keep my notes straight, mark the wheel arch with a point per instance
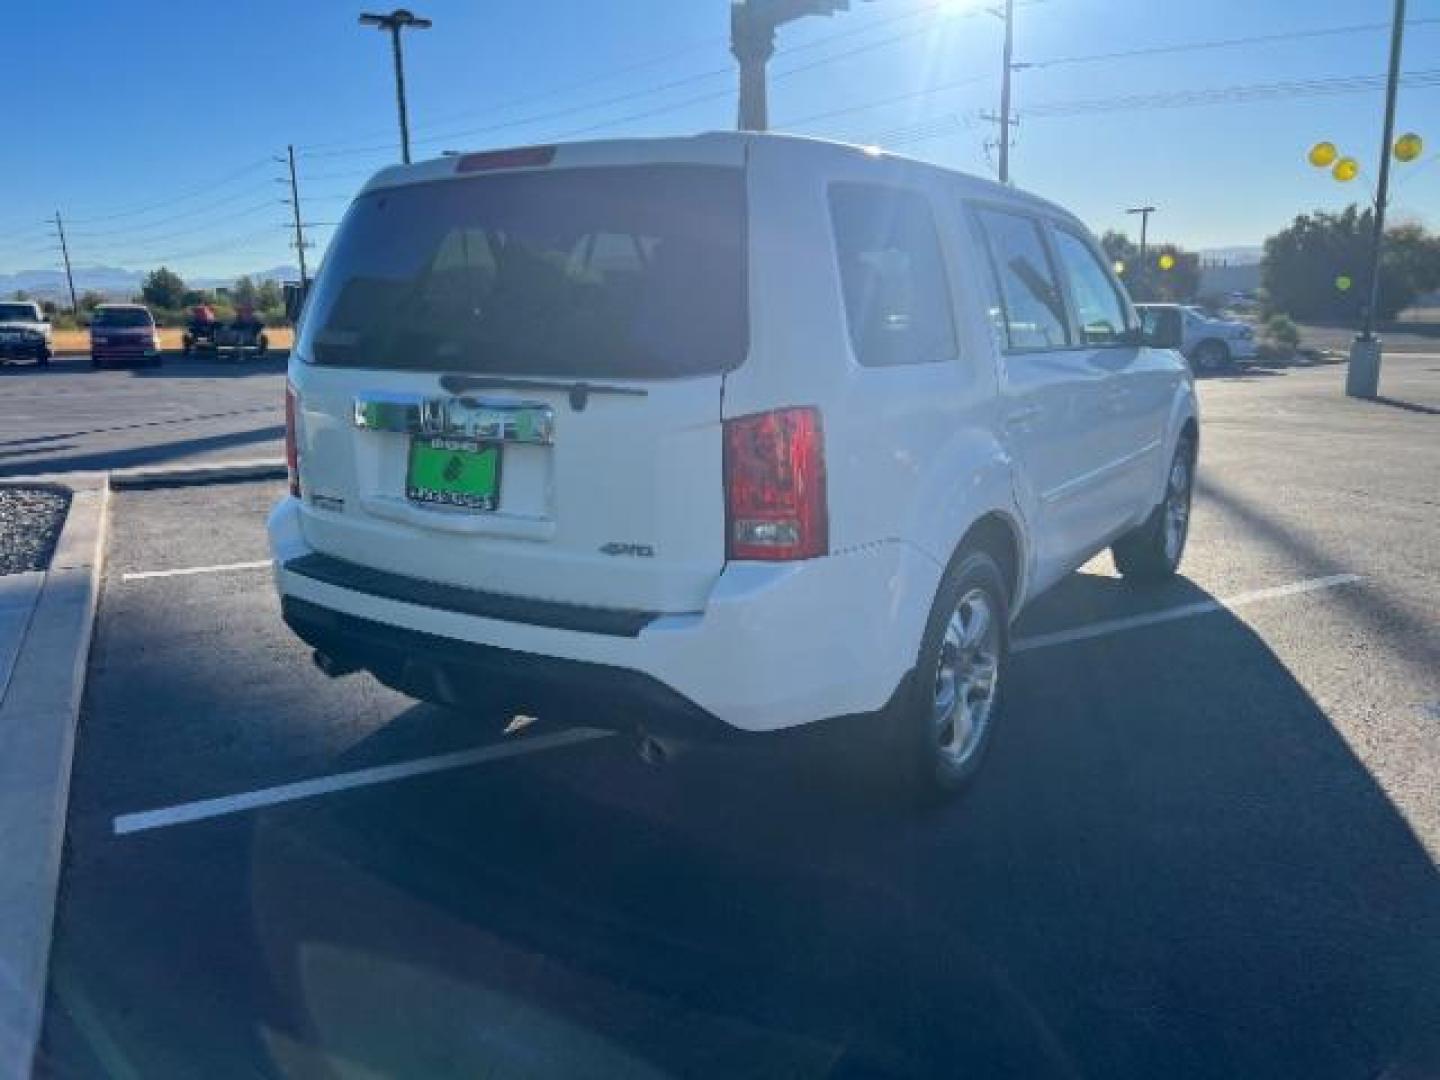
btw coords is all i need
(998, 535)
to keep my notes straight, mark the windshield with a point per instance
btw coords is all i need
(18, 313)
(122, 317)
(632, 271)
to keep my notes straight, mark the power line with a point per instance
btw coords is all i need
(1223, 95)
(673, 84)
(244, 170)
(1222, 43)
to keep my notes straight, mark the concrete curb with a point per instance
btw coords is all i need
(223, 472)
(39, 711)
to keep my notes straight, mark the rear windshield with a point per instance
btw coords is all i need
(17, 313)
(122, 317)
(636, 271)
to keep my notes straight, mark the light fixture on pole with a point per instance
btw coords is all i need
(395, 22)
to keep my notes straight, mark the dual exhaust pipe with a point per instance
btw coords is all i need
(650, 750)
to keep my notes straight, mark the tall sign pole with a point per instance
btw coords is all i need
(1362, 377)
(752, 41)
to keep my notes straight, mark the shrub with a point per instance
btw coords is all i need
(1281, 331)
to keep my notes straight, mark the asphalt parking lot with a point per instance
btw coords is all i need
(70, 418)
(1205, 845)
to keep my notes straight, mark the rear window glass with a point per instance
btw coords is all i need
(892, 275)
(121, 317)
(18, 313)
(628, 271)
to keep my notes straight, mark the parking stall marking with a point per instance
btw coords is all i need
(1184, 611)
(203, 809)
(187, 571)
(225, 805)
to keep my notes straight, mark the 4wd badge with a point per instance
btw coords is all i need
(638, 551)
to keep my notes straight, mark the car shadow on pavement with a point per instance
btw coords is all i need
(155, 454)
(1171, 865)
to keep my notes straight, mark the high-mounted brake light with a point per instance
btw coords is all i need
(775, 486)
(292, 452)
(521, 157)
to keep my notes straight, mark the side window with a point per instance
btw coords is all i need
(1099, 309)
(892, 275)
(1032, 314)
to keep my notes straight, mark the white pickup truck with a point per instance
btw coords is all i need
(1210, 343)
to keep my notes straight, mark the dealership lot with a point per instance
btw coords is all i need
(69, 418)
(1206, 842)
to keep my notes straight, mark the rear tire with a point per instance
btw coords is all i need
(1210, 356)
(948, 721)
(1153, 551)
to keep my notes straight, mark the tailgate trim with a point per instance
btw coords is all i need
(432, 594)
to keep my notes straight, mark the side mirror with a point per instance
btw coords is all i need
(1160, 328)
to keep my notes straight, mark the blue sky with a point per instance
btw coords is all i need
(151, 124)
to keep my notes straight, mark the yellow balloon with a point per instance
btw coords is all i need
(1119, 267)
(1409, 147)
(1345, 170)
(1167, 261)
(1343, 283)
(1323, 154)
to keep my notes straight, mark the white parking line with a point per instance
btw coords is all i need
(224, 805)
(185, 813)
(1184, 611)
(186, 571)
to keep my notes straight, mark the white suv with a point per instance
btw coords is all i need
(720, 434)
(1209, 342)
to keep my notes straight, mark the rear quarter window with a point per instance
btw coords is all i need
(892, 275)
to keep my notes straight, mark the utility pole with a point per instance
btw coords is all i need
(1362, 376)
(752, 42)
(1005, 92)
(299, 232)
(1144, 212)
(65, 253)
(396, 21)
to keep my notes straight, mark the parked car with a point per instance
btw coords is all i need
(1210, 342)
(25, 332)
(727, 434)
(121, 333)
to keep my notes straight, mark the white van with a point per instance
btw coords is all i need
(711, 435)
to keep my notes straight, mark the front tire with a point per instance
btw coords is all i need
(948, 723)
(1153, 551)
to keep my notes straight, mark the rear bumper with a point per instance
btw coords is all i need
(777, 645)
(27, 350)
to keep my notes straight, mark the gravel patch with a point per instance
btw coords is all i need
(30, 520)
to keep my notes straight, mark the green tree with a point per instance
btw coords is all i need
(162, 288)
(269, 296)
(1315, 269)
(244, 292)
(1147, 281)
(90, 300)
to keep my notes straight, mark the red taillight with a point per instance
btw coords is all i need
(775, 486)
(292, 452)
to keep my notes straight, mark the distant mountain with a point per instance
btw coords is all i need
(114, 281)
(1240, 255)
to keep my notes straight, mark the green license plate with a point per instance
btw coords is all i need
(454, 472)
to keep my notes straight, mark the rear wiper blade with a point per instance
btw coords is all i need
(579, 392)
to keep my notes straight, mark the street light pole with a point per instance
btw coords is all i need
(752, 42)
(1144, 212)
(1362, 376)
(396, 21)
